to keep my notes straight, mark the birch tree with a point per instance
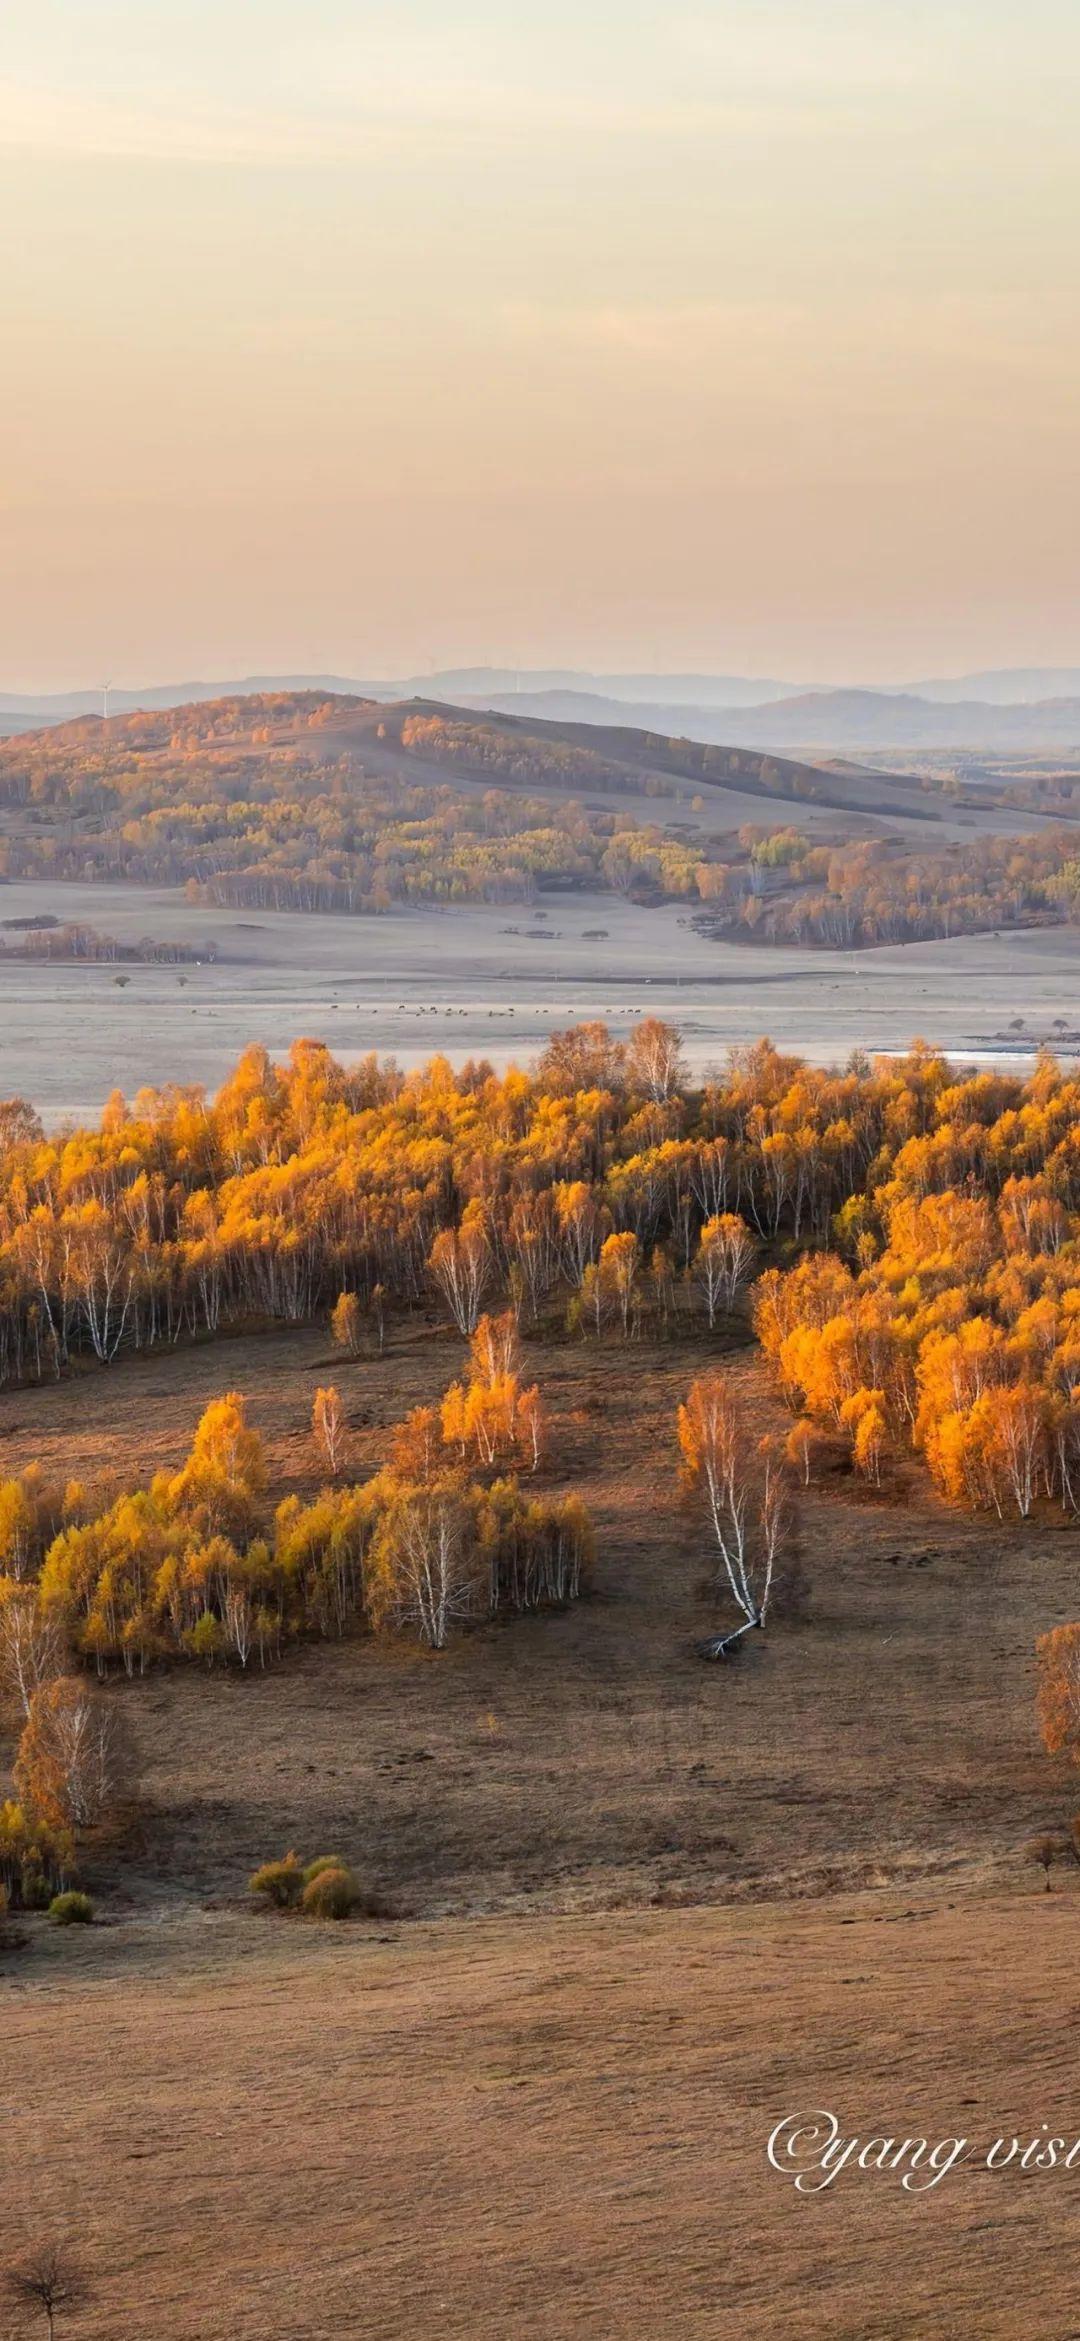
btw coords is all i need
(31, 1645)
(328, 1426)
(75, 1761)
(739, 1481)
(462, 1266)
(654, 1060)
(424, 1567)
(723, 1262)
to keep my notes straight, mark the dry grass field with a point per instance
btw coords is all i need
(642, 1909)
(550, 2130)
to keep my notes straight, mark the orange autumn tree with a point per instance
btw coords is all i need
(532, 1426)
(346, 1323)
(1058, 1657)
(610, 1287)
(654, 1060)
(328, 1426)
(32, 1647)
(224, 1477)
(864, 1415)
(490, 1416)
(424, 1567)
(416, 1444)
(76, 1760)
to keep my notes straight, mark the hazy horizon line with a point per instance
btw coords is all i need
(550, 673)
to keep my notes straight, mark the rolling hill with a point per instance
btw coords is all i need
(583, 756)
(718, 785)
(334, 803)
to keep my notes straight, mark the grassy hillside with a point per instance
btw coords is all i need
(316, 802)
(462, 2132)
(502, 749)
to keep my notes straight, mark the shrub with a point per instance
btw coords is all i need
(206, 1638)
(334, 1893)
(282, 1882)
(35, 1884)
(71, 1909)
(323, 1861)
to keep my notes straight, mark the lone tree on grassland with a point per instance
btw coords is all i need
(740, 1480)
(46, 2279)
(328, 1426)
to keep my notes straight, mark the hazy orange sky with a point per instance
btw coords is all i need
(373, 334)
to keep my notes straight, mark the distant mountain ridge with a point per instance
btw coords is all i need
(1004, 686)
(817, 724)
(863, 722)
(469, 684)
(1011, 710)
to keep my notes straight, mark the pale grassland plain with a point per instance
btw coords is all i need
(491, 982)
